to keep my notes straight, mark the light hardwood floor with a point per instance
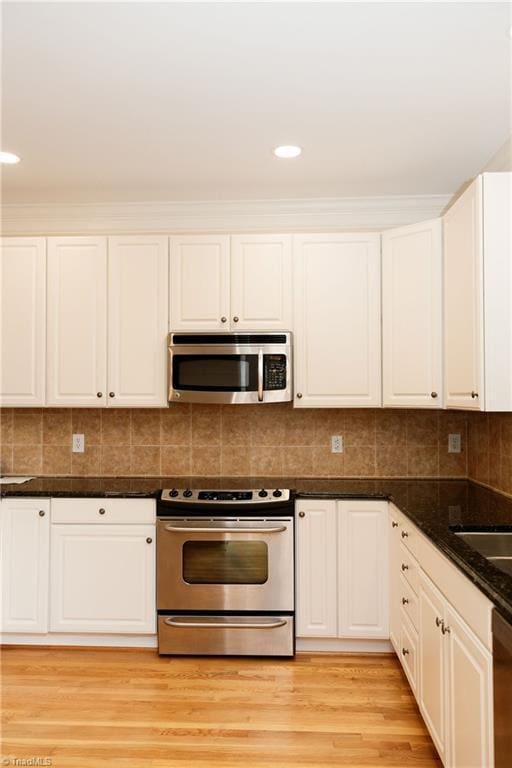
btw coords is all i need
(134, 709)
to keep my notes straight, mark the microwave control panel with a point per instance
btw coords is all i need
(275, 372)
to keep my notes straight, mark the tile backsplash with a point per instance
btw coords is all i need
(490, 449)
(234, 440)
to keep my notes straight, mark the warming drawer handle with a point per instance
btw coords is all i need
(192, 529)
(225, 625)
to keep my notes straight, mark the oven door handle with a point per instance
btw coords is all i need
(193, 529)
(260, 375)
(175, 622)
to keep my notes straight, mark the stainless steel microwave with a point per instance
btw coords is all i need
(230, 367)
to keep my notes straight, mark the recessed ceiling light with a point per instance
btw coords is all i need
(9, 158)
(287, 151)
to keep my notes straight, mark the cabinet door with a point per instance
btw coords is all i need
(412, 315)
(137, 320)
(432, 663)
(316, 569)
(199, 283)
(363, 592)
(469, 697)
(77, 321)
(22, 320)
(463, 299)
(394, 580)
(103, 578)
(337, 320)
(25, 525)
(261, 276)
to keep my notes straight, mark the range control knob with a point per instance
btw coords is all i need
(187, 494)
(263, 493)
(277, 493)
(173, 493)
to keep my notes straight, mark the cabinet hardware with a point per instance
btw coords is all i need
(99, 394)
(236, 319)
(405, 600)
(439, 622)
(393, 524)
(405, 651)
(405, 535)
(405, 567)
(299, 395)
(302, 514)
(149, 540)
(111, 394)
(41, 513)
(223, 319)
(433, 394)
(474, 394)
(101, 511)
(445, 630)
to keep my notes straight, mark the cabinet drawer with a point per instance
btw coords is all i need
(408, 651)
(409, 536)
(409, 568)
(103, 511)
(409, 602)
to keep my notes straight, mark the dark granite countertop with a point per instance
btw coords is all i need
(437, 507)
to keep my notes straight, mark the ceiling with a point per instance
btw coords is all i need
(185, 101)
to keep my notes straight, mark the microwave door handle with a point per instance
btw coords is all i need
(260, 376)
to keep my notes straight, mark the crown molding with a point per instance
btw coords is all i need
(289, 215)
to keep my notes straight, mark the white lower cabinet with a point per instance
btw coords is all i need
(102, 578)
(342, 569)
(24, 528)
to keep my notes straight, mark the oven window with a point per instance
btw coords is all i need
(225, 562)
(215, 373)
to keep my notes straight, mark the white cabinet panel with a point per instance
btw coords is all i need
(137, 320)
(22, 321)
(103, 578)
(261, 277)
(363, 591)
(394, 579)
(337, 320)
(25, 525)
(412, 315)
(199, 283)
(76, 321)
(463, 297)
(316, 569)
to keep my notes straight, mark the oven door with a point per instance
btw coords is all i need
(225, 565)
(229, 374)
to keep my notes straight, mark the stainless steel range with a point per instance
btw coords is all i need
(225, 572)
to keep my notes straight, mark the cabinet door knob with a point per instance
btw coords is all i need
(405, 651)
(41, 513)
(474, 394)
(299, 395)
(405, 601)
(405, 567)
(111, 394)
(236, 319)
(394, 524)
(101, 511)
(223, 319)
(405, 535)
(444, 629)
(439, 622)
(149, 539)
(433, 394)
(99, 394)
(302, 514)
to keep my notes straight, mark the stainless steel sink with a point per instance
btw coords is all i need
(496, 547)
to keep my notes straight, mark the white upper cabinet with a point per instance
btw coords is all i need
(199, 283)
(363, 576)
(337, 320)
(478, 296)
(137, 320)
(261, 282)
(412, 315)
(22, 320)
(77, 321)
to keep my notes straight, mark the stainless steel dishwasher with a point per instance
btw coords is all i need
(502, 674)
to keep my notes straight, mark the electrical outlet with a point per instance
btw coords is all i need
(454, 445)
(336, 444)
(78, 443)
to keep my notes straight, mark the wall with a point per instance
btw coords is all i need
(490, 449)
(233, 440)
